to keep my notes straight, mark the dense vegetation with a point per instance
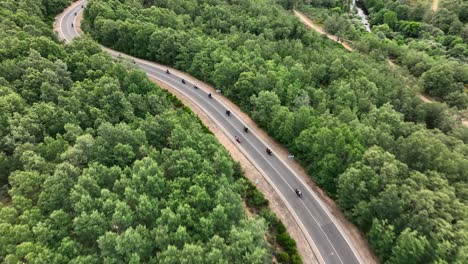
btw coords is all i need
(416, 23)
(430, 45)
(437, 35)
(98, 165)
(398, 168)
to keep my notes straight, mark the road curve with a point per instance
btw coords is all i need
(321, 229)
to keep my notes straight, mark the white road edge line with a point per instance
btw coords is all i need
(264, 174)
(239, 146)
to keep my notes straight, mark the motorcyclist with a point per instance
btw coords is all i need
(246, 129)
(72, 24)
(167, 71)
(268, 151)
(298, 192)
(228, 113)
(209, 96)
(237, 139)
(183, 81)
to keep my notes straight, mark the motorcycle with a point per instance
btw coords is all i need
(237, 139)
(167, 72)
(183, 81)
(209, 96)
(299, 193)
(246, 129)
(228, 113)
(268, 151)
(196, 87)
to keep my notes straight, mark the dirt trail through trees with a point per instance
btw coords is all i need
(435, 5)
(310, 24)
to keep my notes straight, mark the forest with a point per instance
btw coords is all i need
(99, 165)
(397, 167)
(432, 45)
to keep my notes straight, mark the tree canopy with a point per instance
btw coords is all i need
(99, 165)
(397, 167)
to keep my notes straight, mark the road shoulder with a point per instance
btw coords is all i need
(275, 202)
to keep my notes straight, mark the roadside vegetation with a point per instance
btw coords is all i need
(397, 167)
(99, 165)
(431, 45)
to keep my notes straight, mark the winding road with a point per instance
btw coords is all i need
(321, 229)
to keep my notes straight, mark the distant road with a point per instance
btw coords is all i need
(318, 225)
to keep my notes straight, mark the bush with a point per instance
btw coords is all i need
(270, 218)
(296, 259)
(283, 257)
(287, 242)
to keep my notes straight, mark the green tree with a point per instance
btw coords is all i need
(410, 248)
(327, 149)
(439, 80)
(89, 226)
(381, 237)
(390, 18)
(264, 105)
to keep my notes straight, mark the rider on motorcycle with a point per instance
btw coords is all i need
(228, 112)
(298, 192)
(268, 151)
(209, 95)
(246, 129)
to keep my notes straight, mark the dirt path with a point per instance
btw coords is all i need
(310, 24)
(435, 5)
(424, 98)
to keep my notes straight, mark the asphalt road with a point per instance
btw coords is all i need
(320, 228)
